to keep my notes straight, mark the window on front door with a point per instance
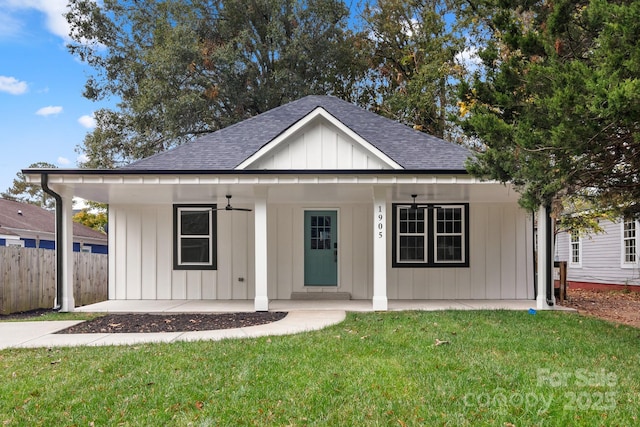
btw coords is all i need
(430, 236)
(194, 245)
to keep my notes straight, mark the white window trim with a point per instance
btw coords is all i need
(623, 262)
(211, 236)
(461, 234)
(572, 263)
(424, 235)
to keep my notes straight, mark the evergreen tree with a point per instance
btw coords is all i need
(555, 108)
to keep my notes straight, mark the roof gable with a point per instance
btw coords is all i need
(232, 147)
(318, 141)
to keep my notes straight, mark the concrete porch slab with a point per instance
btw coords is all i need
(226, 306)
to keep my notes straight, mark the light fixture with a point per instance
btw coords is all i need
(414, 205)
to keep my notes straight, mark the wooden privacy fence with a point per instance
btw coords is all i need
(28, 278)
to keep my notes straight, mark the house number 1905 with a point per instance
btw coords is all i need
(380, 222)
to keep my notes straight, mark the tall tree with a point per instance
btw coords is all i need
(22, 191)
(181, 68)
(556, 109)
(413, 66)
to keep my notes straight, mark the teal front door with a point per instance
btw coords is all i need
(321, 248)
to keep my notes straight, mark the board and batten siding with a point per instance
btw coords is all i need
(320, 146)
(500, 261)
(141, 265)
(601, 257)
(286, 250)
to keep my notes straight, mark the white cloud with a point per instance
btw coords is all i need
(63, 161)
(48, 111)
(12, 85)
(469, 58)
(82, 159)
(87, 121)
(53, 10)
(9, 25)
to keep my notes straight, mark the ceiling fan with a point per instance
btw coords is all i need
(231, 208)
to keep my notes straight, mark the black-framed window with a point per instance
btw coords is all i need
(194, 237)
(430, 235)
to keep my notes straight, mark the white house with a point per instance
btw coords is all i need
(338, 202)
(609, 259)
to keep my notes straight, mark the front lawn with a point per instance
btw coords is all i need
(453, 368)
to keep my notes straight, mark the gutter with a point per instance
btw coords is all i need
(132, 171)
(59, 244)
(549, 254)
(535, 258)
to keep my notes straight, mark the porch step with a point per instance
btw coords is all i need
(321, 295)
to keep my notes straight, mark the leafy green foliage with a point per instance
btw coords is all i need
(413, 67)
(25, 192)
(92, 218)
(184, 68)
(556, 108)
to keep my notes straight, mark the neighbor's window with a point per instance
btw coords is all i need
(629, 242)
(430, 236)
(194, 237)
(575, 249)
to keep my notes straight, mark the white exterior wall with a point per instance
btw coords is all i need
(601, 257)
(320, 146)
(500, 261)
(286, 250)
(141, 265)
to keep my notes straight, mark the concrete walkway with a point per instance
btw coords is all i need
(302, 316)
(42, 334)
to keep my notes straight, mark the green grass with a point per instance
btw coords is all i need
(499, 367)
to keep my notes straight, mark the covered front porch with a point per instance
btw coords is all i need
(260, 256)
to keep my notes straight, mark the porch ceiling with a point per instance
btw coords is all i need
(281, 188)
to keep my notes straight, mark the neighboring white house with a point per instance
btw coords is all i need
(610, 258)
(328, 191)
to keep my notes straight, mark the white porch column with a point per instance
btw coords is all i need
(379, 249)
(68, 302)
(261, 301)
(545, 259)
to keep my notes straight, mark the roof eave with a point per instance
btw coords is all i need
(245, 172)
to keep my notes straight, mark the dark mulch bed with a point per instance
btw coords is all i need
(27, 315)
(136, 323)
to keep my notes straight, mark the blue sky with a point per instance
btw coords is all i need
(43, 115)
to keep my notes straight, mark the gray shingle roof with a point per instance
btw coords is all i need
(24, 216)
(227, 148)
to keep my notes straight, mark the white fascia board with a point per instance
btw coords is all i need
(318, 112)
